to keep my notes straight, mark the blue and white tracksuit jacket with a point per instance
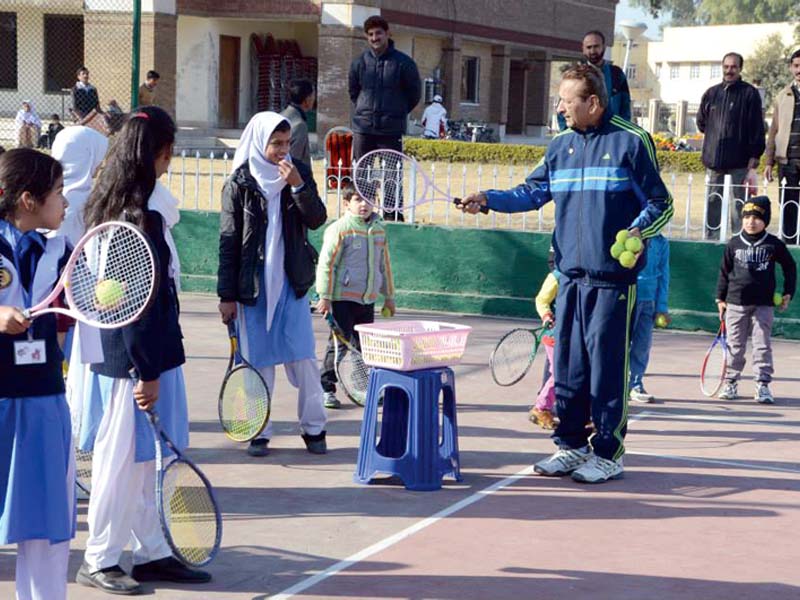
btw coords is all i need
(602, 180)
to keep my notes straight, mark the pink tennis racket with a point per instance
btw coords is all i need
(109, 279)
(394, 182)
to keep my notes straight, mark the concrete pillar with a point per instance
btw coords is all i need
(681, 111)
(538, 94)
(158, 52)
(338, 47)
(652, 115)
(499, 87)
(451, 74)
(107, 48)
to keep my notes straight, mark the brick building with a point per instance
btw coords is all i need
(489, 58)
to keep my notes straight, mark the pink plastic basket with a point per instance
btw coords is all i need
(412, 345)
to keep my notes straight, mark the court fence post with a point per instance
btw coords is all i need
(725, 212)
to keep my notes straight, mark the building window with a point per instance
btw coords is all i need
(8, 50)
(674, 71)
(716, 71)
(470, 79)
(63, 50)
(694, 71)
(630, 73)
(658, 70)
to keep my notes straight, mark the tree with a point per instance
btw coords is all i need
(767, 66)
(722, 12)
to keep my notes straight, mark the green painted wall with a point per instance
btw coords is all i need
(483, 271)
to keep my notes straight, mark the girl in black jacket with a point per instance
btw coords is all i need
(266, 266)
(122, 504)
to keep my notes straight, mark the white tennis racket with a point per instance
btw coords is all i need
(109, 279)
(395, 182)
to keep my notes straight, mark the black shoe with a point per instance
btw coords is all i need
(258, 447)
(316, 443)
(111, 579)
(169, 569)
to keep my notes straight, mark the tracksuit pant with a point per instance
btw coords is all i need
(644, 319)
(742, 322)
(591, 365)
(347, 315)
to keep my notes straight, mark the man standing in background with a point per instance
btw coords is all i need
(783, 148)
(731, 119)
(147, 91)
(384, 87)
(301, 100)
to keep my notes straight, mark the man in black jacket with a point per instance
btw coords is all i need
(384, 87)
(730, 116)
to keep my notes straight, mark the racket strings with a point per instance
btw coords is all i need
(382, 178)
(112, 279)
(513, 356)
(190, 513)
(353, 373)
(245, 404)
(714, 367)
(83, 468)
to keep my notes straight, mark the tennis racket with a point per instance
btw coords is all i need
(514, 354)
(244, 401)
(109, 279)
(83, 470)
(351, 370)
(715, 363)
(394, 181)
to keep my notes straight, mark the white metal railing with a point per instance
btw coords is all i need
(197, 179)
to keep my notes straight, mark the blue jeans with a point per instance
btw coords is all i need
(644, 318)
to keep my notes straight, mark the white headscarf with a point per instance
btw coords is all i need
(164, 203)
(27, 117)
(252, 146)
(80, 150)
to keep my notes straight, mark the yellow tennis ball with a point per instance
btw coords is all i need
(109, 292)
(617, 249)
(622, 235)
(634, 244)
(627, 259)
(777, 299)
(385, 312)
(661, 321)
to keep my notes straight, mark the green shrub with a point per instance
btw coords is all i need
(518, 154)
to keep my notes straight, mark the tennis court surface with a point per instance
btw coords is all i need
(709, 507)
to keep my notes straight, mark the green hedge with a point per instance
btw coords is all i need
(518, 154)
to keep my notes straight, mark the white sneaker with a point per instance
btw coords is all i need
(563, 462)
(763, 395)
(638, 394)
(599, 470)
(729, 392)
(331, 401)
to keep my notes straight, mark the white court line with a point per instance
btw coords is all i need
(671, 417)
(400, 536)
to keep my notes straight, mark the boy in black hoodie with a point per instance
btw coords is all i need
(745, 292)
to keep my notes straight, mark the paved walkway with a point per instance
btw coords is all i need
(709, 507)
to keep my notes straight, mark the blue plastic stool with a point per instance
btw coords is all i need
(409, 443)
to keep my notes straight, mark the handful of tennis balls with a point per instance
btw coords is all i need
(625, 248)
(109, 293)
(777, 299)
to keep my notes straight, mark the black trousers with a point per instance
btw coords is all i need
(347, 315)
(363, 143)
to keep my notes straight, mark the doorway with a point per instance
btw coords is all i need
(517, 84)
(229, 49)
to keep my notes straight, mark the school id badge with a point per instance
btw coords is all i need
(29, 352)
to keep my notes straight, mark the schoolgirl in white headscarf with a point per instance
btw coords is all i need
(80, 150)
(270, 198)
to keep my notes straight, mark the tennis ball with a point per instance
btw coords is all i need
(385, 312)
(777, 299)
(634, 244)
(617, 249)
(661, 321)
(627, 259)
(622, 235)
(109, 292)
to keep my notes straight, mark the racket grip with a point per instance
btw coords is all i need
(457, 201)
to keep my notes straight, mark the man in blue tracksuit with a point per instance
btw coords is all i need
(603, 176)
